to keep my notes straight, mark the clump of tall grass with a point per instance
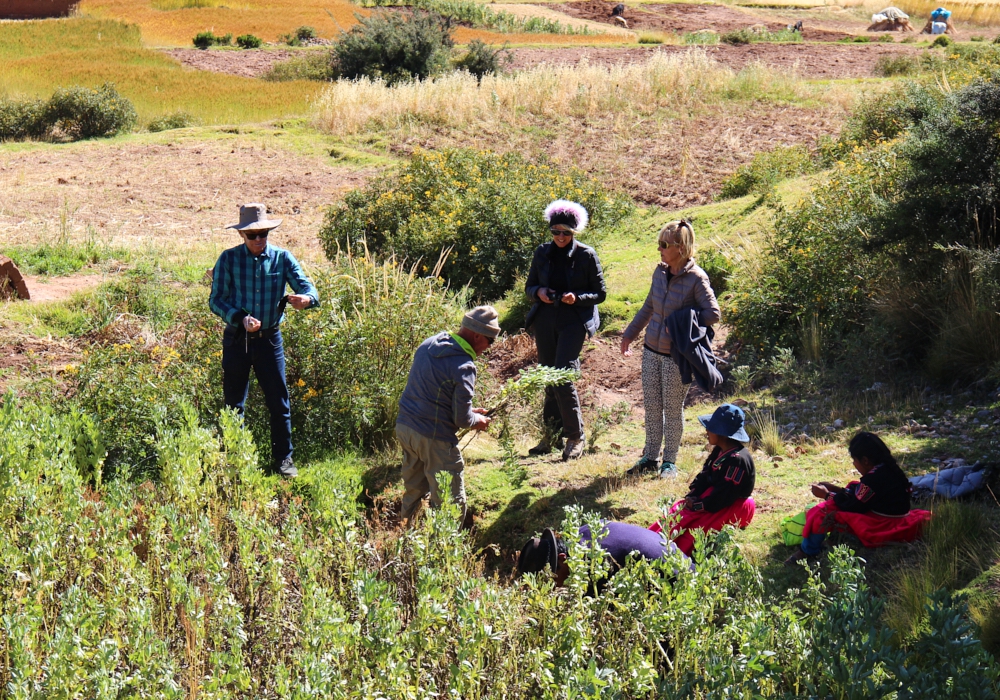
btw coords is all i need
(890, 65)
(753, 36)
(675, 81)
(764, 430)
(312, 65)
(482, 16)
(177, 120)
(705, 36)
(767, 169)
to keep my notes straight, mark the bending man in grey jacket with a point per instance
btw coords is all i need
(436, 404)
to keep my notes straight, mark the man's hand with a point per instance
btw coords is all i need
(483, 421)
(543, 295)
(299, 301)
(626, 350)
(569, 298)
(251, 324)
(820, 491)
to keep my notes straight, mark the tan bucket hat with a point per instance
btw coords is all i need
(253, 217)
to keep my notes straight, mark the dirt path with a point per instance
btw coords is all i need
(683, 18)
(815, 61)
(184, 191)
(44, 289)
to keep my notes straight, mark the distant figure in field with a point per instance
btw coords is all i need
(876, 509)
(891, 19)
(939, 23)
(618, 10)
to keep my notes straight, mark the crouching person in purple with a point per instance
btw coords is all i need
(618, 540)
(248, 293)
(436, 404)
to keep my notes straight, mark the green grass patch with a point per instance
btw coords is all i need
(38, 57)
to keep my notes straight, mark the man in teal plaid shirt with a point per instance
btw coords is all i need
(248, 293)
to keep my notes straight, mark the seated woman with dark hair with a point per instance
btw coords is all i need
(876, 508)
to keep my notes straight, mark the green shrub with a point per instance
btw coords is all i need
(313, 65)
(20, 121)
(751, 36)
(395, 47)
(204, 40)
(942, 41)
(482, 60)
(701, 37)
(83, 113)
(766, 170)
(249, 41)
(483, 16)
(177, 120)
(886, 39)
(977, 37)
(483, 209)
(650, 38)
(718, 267)
(890, 65)
(305, 33)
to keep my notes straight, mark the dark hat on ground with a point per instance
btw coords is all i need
(253, 217)
(538, 553)
(728, 421)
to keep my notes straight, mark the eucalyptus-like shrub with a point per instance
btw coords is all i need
(482, 209)
(395, 47)
(219, 582)
(83, 113)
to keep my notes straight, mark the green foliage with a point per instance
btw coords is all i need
(480, 59)
(738, 37)
(886, 39)
(606, 418)
(942, 41)
(484, 210)
(299, 36)
(219, 582)
(702, 37)
(718, 267)
(204, 40)
(249, 41)
(395, 47)
(482, 16)
(766, 170)
(313, 65)
(177, 120)
(74, 113)
(889, 65)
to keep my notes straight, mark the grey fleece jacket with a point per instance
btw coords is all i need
(689, 288)
(437, 400)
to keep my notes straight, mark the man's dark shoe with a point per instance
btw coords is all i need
(545, 447)
(643, 466)
(286, 470)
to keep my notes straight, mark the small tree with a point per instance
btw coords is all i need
(248, 41)
(395, 47)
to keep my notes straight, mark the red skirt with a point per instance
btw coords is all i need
(872, 529)
(739, 514)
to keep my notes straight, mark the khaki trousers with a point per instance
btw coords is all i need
(423, 459)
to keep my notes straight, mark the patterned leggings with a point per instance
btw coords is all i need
(663, 395)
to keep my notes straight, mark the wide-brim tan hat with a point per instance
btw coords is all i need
(253, 217)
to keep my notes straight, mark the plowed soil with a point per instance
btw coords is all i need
(813, 61)
(251, 63)
(684, 18)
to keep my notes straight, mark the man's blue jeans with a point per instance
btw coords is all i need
(266, 356)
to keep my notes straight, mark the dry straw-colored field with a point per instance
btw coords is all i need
(175, 22)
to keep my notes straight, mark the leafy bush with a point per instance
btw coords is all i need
(889, 65)
(702, 37)
(886, 39)
(177, 120)
(751, 36)
(83, 113)
(219, 582)
(300, 36)
(395, 47)
(482, 16)
(942, 41)
(204, 40)
(483, 209)
(249, 41)
(767, 169)
(20, 121)
(482, 60)
(314, 65)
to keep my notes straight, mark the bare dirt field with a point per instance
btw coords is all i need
(814, 61)
(23, 355)
(251, 63)
(136, 194)
(683, 18)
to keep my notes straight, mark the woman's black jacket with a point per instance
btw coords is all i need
(586, 281)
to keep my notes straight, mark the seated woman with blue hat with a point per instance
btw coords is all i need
(720, 494)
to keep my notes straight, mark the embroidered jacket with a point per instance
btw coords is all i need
(726, 478)
(884, 490)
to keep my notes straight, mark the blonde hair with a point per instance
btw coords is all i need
(682, 233)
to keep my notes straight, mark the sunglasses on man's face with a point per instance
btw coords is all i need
(489, 340)
(255, 236)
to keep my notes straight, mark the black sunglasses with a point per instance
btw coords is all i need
(255, 236)
(665, 245)
(561, 233)
(489, 340)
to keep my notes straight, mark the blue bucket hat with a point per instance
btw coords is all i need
(728, 421)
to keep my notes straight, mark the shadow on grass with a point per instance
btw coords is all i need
(528, 513)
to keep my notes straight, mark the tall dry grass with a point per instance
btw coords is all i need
(38, 57)
(688, 80)
(981, 13)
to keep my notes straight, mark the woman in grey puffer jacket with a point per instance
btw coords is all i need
(677, 284)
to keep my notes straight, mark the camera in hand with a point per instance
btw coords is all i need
(554, 296)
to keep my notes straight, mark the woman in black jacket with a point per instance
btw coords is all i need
(566, 283)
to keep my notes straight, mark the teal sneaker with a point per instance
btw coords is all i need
(668, 470)
(643, 466)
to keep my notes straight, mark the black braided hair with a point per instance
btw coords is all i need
(869, 447)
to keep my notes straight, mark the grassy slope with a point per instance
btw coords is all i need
(38, 57)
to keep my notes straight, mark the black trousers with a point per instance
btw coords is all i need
(559, 342)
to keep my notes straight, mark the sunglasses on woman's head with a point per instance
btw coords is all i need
(255, 236)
